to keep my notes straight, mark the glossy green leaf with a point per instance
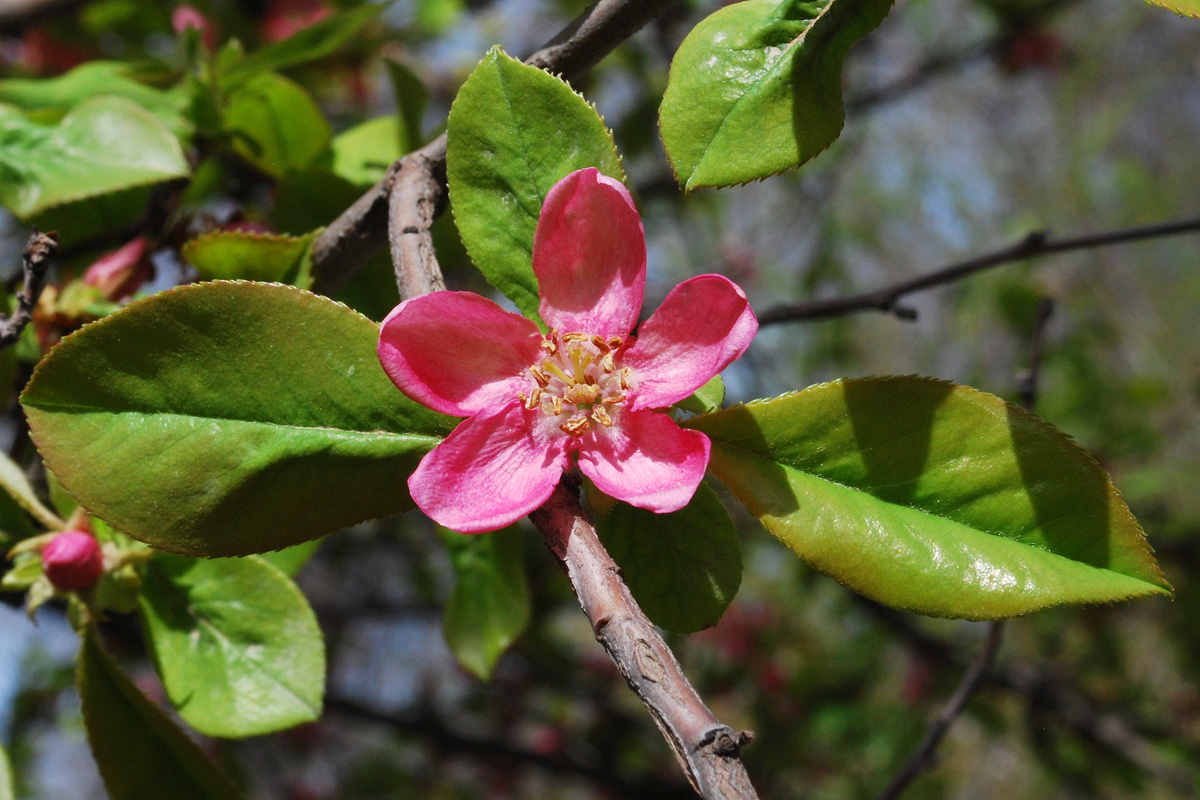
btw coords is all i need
(683, 568)
(308, 44)
(53, 97)
(139, 750)
(103, 145)
(275, 125)
(362, 154)
(933, 498)
(228, 418)
(490, 606)
(756, 88)
(236, 644)
(16, 485)
(252, 256)
(514, 131)
(706, 399)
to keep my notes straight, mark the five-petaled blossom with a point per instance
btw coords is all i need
(585, 391)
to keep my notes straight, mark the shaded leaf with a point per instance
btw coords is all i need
(363, 154)
(756, 88)
(228, 418)
(291, 560)
(103, 145)
(501, 167)
(252, 256)
(236, 644)
(411, 99)
(138, 749)
(275, 125)
(933, 498)
(490, 606)
(683, 568)
(308, 44)
(706, 399)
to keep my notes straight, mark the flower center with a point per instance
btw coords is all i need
(577, 382)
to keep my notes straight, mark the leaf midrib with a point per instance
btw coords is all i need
(769, 74)
(227, 644)
(71, 408)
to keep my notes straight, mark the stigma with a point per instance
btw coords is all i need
(577, 384)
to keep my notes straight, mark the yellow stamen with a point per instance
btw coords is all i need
(581, 394)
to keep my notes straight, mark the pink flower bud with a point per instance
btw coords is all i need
(72, 561)
(185, 17)
(118, 274)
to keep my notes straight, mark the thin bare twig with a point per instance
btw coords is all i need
(35, 261)
(1027, 379)
(362, 230)
(1033, 245)
(924, 757)
(706, 749)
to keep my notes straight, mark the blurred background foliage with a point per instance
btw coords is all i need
(970, 123)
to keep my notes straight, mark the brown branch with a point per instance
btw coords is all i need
(362, 230)
(924, 757)
(35, 261)
(417, 198)
(1033, 245)
(706, 749)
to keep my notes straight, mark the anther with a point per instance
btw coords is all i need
(543, 380)
(606, 362)
(626, 374)
(556, 403)
(577, 426)
(612, 401)
(601, 416)
(615, 341)
(600, 344)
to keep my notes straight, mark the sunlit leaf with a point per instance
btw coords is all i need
(228, 418)
(275, 125)
(933, 498)
(252, 256)
(501, 164)
(103, 145)
(756, 88)
(236, 644)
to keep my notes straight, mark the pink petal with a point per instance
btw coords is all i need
(490, 471)
(457, 352)
(703, 325)
(646, 460)
(589, 255)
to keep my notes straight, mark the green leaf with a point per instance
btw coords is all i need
(103, 145)
(490, 606)
(363, 154)
(756, 88)
(1188, 8)
(291, 560)
(683, 568)
(236, 644)
(706, 399)
(7, 790)
(252, 256)
(275, 125)
(225, 419)
(138, 749)
(411, 99)
(514, 131)
(16, 485)
(309, 44)
(55, 96)
(933, 498)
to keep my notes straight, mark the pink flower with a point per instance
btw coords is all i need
(184, 17)
(72, 561)
(587, 391)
